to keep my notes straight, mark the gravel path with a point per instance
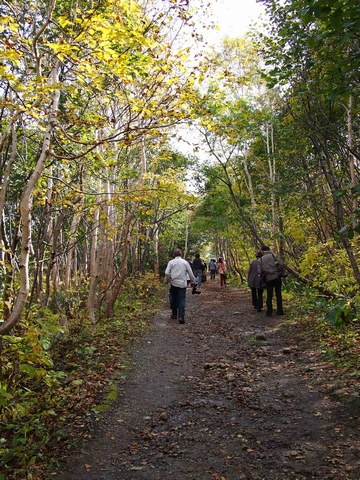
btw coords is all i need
(230, 395)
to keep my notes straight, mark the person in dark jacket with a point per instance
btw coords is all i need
(198, 268)
(254, 282)
(269, 267)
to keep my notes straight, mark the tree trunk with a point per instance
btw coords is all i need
(70, 251)
(127, 237)
(53, 257)
(156, 250)
(25, 212)
(94, 274)
(353, 179)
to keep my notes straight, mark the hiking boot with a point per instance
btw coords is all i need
(173, 316)
(181, 320)
(268, 314)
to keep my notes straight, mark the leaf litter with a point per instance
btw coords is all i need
(231, 394)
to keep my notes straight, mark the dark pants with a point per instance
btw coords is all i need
(212, 274)
(270, 286)
(178, 296)
(257, 298)
(198, 276)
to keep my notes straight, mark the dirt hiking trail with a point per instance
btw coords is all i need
(231, 395)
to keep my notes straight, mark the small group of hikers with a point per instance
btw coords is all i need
(264, 274)
(180, 273)
(218, 267)
(199, 268)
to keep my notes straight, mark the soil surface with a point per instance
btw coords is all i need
(231, 395)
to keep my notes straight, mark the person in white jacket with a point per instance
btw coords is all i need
(177, 272)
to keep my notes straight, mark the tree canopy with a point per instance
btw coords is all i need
(96, 188)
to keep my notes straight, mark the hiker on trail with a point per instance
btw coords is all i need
(198, 268)
(254, 282)
(176, 273)
(221, 270)
(194, 285)
(212, 268)
(269, 268)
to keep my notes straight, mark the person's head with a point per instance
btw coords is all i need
(177, 252)
(265, 248)
(258, 254)
(220, 259)
(197, 255)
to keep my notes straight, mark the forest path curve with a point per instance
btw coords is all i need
(231, 395)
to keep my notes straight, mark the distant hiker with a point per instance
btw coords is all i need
(212, 268)
(198, 268)
(254, 282)
(268, 268)
(221, 270)
(176, 272)
(194, 285)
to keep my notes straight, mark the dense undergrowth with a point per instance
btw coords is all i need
(55, 380)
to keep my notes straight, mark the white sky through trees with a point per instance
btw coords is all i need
(234, 17)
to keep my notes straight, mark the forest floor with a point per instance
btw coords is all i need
(231, 395)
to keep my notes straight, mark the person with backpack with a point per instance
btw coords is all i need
(254, 282)
(268, 269)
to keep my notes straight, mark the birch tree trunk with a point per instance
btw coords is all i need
(94, 274)
(272, 174)
(25, 212)
(70, 251)
(127, 238)
(5, 249)
(353, 180)
(249, 184)
(53, 258)
(156, 250)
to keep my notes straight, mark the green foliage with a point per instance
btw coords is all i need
(26, 385)
(341, 314)
(340, 344)
(53, 377)
(314, 37)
